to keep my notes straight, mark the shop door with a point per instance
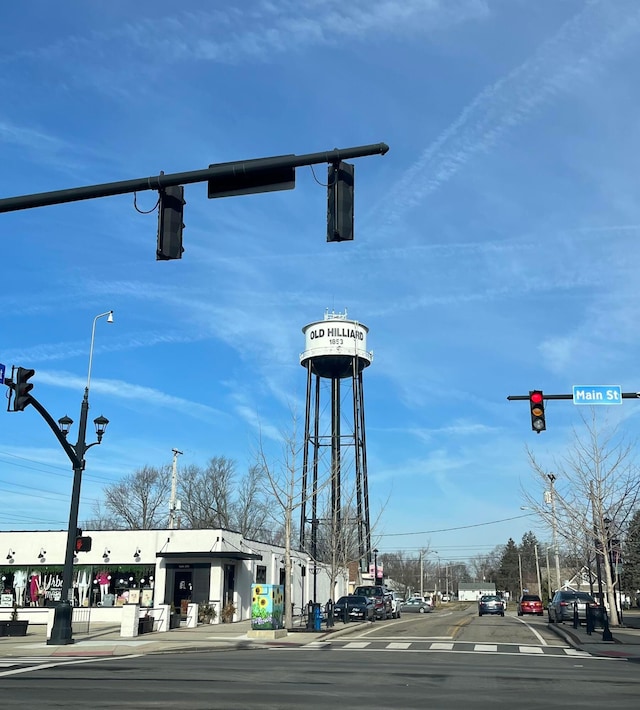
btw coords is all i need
(229, 584)
(182, 588)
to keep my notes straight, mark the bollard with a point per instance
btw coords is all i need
(576, 620)
(329, 611)
(310, 616)
(606, 631)
(588, 619)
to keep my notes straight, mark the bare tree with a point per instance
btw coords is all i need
(250, 510)
(281, 480)
(139, 500)
(597, 490)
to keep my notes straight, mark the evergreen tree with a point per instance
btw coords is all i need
(631, 558)
(508, 577)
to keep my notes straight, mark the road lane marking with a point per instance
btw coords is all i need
(486, 647)
(575, 652)
(396, 644)
(530, 649)
(441, 646)
(358, 644)
(533, 631)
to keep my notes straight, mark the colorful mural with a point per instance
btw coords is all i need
(267, 606)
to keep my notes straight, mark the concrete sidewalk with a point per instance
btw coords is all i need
(106, 640)
(625, 644)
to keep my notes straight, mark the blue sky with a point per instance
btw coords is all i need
(496, 243)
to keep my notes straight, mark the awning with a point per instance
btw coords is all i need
(231, 555)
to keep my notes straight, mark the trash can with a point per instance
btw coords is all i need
(317, 617)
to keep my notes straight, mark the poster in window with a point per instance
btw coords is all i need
(146, 598)
(134, 596)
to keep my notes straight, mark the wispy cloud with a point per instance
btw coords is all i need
(570, 58)
(259, 29)
(126, 391)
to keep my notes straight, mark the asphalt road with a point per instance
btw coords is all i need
(391, 664)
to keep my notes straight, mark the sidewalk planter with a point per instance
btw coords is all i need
(145, 625)
(174, 620)
(13, 628)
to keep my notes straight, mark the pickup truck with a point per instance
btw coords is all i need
(381, 598)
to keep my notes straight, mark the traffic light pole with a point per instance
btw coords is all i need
(218, 172)
(61, 632)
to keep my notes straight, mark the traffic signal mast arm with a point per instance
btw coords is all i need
(513, 397)
(219, 172)
(69, 450)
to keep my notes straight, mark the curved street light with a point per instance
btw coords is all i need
(61, 632)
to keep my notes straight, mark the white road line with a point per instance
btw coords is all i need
(575, 652)
(530, 649)
(486, 647)
(441, 646)
(358, 644)
(396, 644)
(533, 631)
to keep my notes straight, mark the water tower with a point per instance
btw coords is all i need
(335, 356)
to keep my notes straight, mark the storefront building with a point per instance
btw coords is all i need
(156, 567)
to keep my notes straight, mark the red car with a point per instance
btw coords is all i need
(530, 604)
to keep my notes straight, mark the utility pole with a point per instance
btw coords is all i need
(554, 526)
(520, 572)
(174, 486)
(535, 547)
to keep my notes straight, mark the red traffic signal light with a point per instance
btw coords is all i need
(536, 404)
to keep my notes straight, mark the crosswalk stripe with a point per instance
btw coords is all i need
(530, 649)
(439, 646)
(575, 652)
(358, 644)
(486, 647)
(396, 644)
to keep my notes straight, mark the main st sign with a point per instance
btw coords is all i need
(597, 394)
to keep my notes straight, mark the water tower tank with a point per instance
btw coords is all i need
(333, 344)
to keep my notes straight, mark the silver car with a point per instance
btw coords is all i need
(415, 605)
(563, 602)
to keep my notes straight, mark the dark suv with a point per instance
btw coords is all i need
(381, 599)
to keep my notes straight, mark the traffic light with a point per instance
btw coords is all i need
(83, 543)
(170, 226)
(340, 202)
(21, 388)
(536, 403)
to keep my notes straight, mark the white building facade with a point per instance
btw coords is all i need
(157, 567)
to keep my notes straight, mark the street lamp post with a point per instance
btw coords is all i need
(61, 632)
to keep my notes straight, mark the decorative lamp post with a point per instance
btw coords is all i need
(61, 632)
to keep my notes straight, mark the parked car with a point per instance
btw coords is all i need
(358, 608)
(381, 598)
(490, 604)
(415, 605)
(530, 604)
(563, 602)
(445, 598)
(395, 605)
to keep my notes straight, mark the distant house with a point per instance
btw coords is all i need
(472, 591)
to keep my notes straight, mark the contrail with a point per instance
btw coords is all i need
(574, 54)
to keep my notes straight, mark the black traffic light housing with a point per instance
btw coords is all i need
(536, 404)
(340, 202)
(170, 224)
(21, 388)
(83, 542)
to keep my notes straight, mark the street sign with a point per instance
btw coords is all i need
(597, 394)
(1, 374)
